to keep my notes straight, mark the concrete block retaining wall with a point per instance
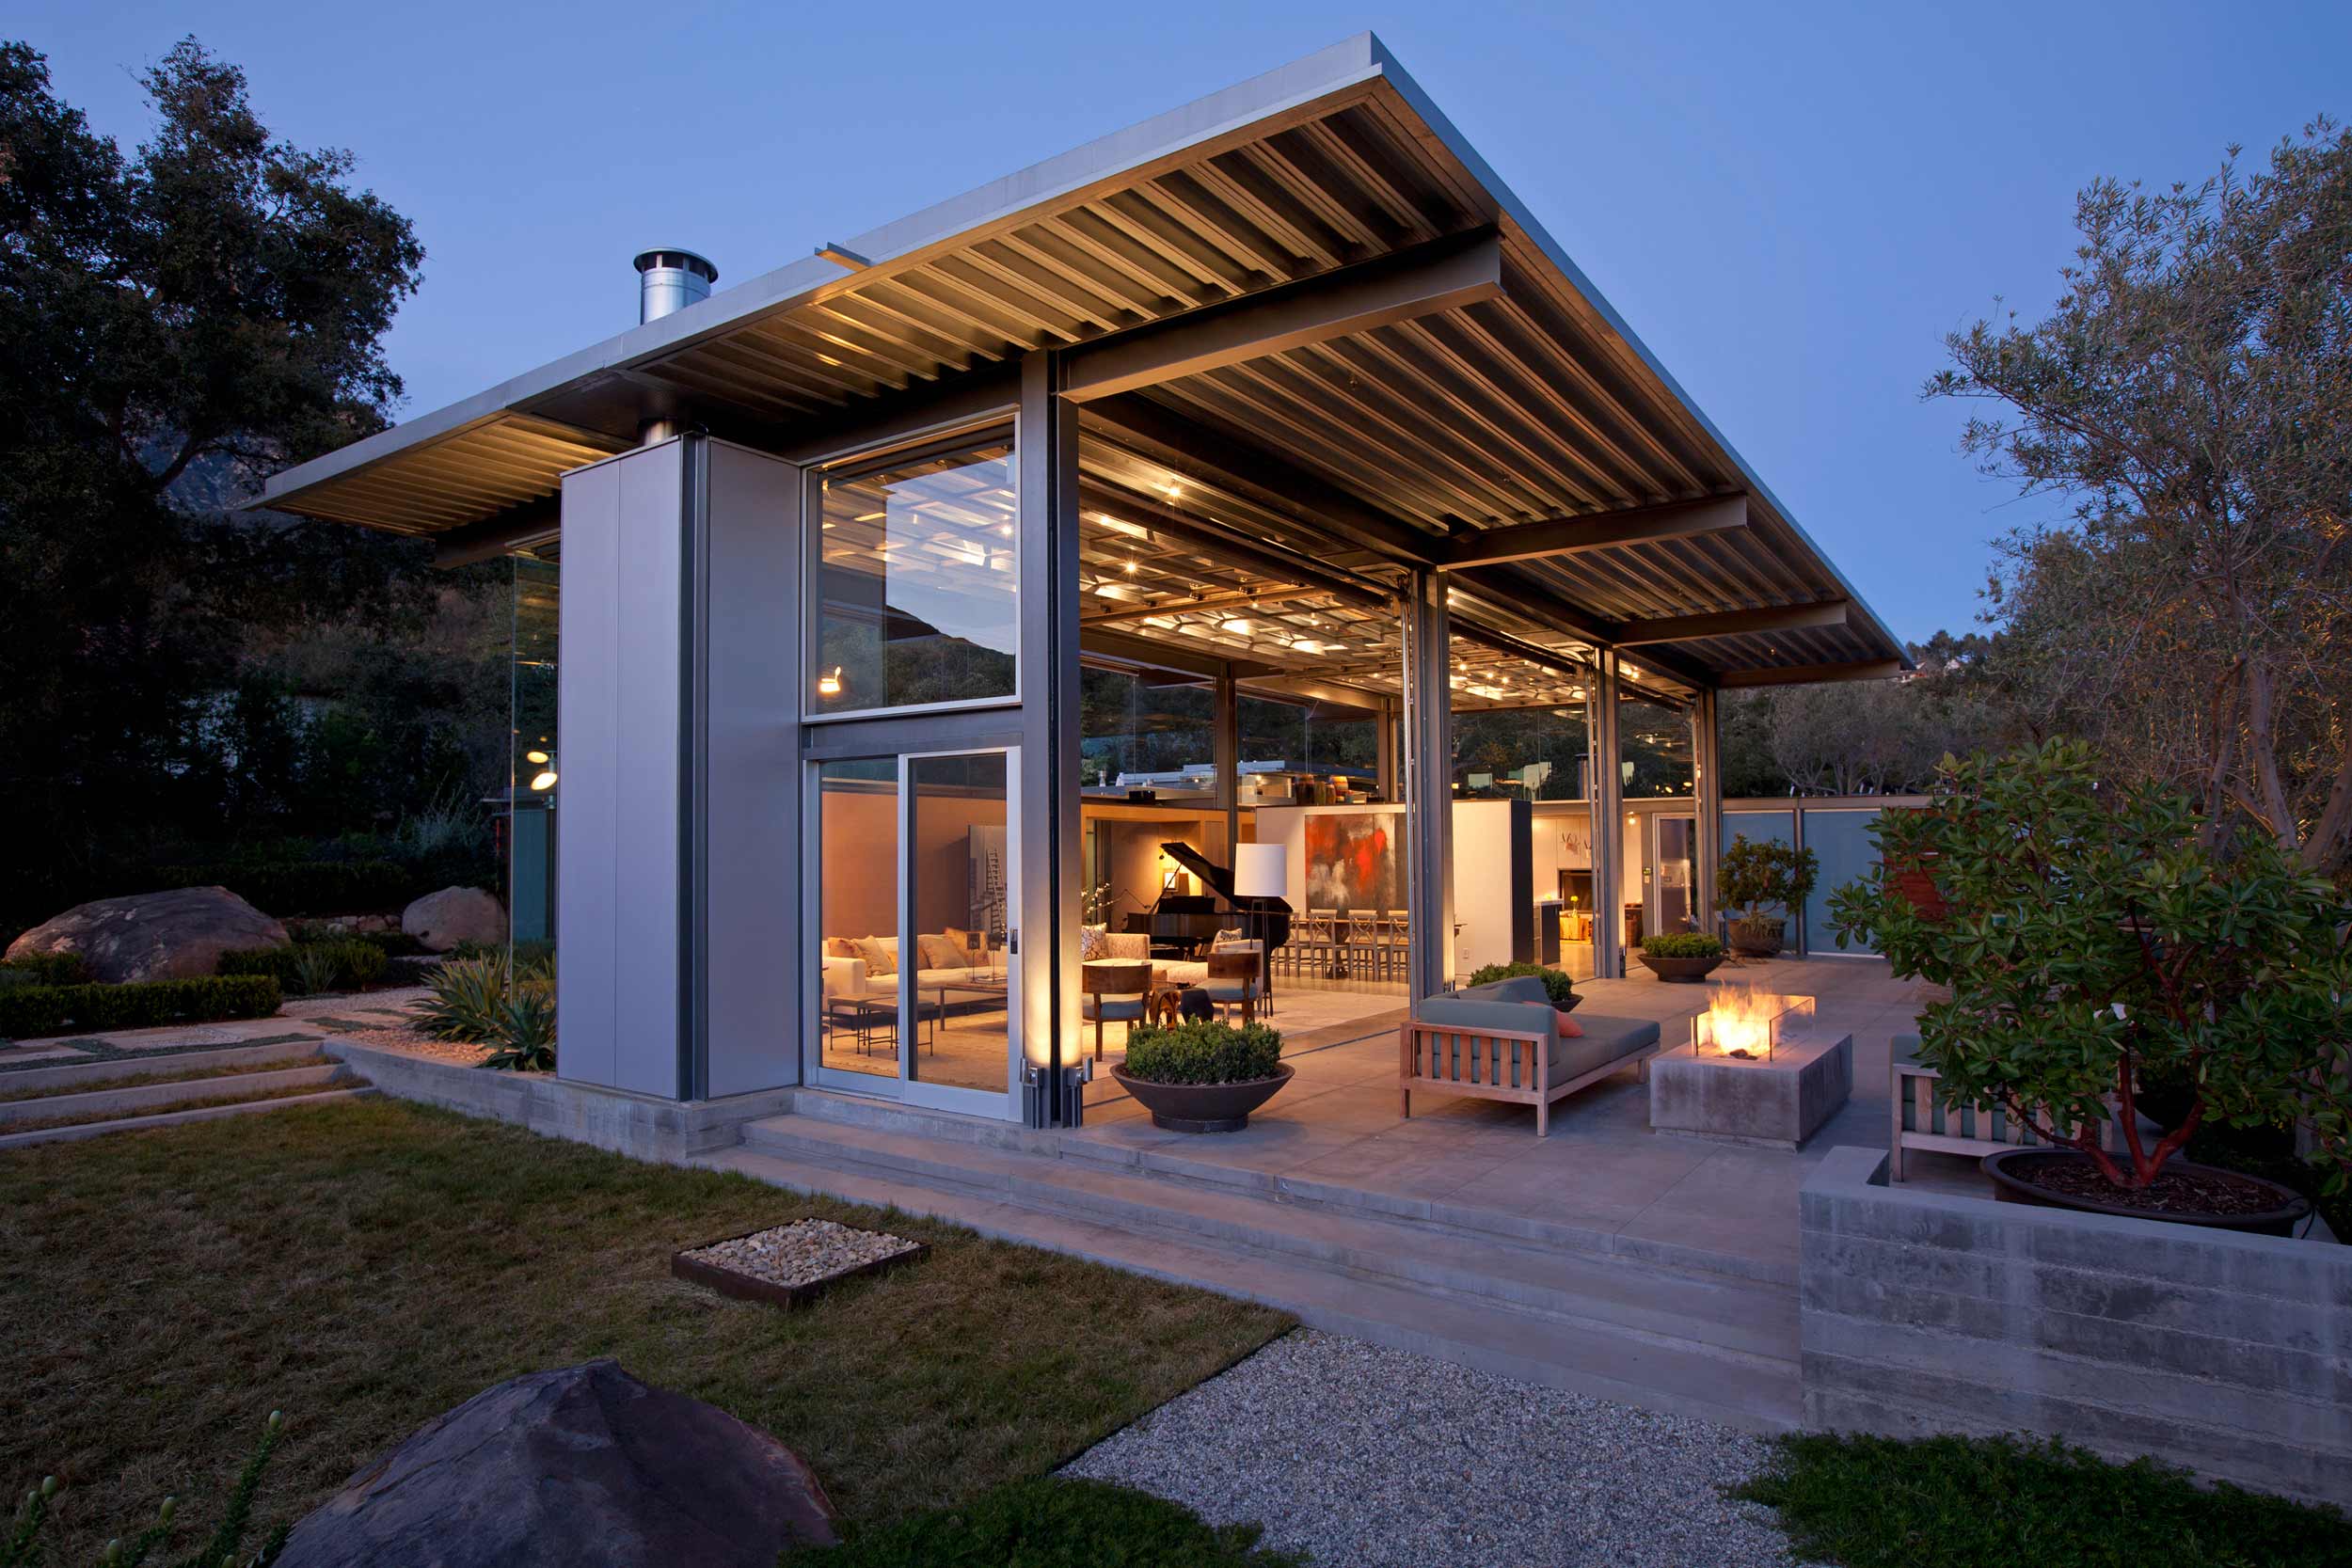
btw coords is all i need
(1924, 1312)
(642, 1125)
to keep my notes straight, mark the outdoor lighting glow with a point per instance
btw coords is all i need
(829, 683)
(544, 782)
(1131, 568)
(539, 758)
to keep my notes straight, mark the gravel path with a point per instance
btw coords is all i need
(1360, 1455)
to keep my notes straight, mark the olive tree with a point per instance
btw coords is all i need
(2190, 396)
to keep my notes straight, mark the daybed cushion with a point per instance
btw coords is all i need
(1605, 1040)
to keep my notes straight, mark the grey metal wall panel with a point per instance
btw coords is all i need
(751, 810)
(588, 719)
(648, 683)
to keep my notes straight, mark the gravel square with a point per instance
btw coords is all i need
(787, 1264)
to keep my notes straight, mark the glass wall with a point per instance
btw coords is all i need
(1135, 726)
(958, 888)
(1310, 738)
(917, 581)
(1537, 752)
(857, 920)
(533, 761)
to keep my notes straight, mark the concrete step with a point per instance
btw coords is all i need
(1458, 1213)
(1605, 1360)
(177, 1118)
(24, 1080)
(1584, 1288)
(140, 1099)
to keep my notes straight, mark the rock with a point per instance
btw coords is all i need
(442, 920)
(179, 935)
(584, 1464)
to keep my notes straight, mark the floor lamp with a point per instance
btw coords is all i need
(1261, 871)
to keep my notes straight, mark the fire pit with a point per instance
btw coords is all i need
(1759, 1071)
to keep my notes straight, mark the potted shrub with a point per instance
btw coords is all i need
(2100, 941)
(1202, 1076)
(1560, 989)
(1753, 878)
(1681, 954)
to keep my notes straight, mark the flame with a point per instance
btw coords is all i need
(1739, 1023)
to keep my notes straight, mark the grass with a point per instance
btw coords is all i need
(136, 1079)
(367, 1265)
(1042, 1523)
(206, 1103)
(1956, 1502)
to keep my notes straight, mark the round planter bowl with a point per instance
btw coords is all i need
(1680, 969)
(1203, 1107)
(1759, 939)
(2009, 1188)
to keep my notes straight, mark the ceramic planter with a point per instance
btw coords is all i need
(1680, 969)
(2279, 1221)
(1760, 938)
(1202, 1107)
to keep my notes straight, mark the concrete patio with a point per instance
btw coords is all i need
(1602, 1181)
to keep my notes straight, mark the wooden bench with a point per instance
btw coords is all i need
(1525, 1066)
(1920, 1121)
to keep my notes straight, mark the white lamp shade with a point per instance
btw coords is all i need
(1261, 871)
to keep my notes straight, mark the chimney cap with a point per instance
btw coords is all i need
(678, 257)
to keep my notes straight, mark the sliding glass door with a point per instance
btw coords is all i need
(916, 905)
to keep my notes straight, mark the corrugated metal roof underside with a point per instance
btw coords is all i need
(1525, 407)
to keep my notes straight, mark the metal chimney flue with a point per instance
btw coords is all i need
(671, 279)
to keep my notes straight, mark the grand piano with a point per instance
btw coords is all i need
(1182, 924)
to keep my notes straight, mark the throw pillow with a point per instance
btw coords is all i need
(840, 948)
(937, 952)
(882, 957)
(971, 946)
(1232, 933)
(1093, 942)
(1569, 1029)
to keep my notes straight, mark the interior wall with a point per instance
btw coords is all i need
(860, 880)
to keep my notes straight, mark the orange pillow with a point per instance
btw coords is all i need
(1568, 1030)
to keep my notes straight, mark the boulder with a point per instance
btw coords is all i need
(179, 935)
(584, 1464)
(442, 920)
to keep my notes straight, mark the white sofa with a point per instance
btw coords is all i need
(847, 978)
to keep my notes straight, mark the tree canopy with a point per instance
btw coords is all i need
(175, 320)
(2190, 394)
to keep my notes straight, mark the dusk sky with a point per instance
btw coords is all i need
(1791, 204)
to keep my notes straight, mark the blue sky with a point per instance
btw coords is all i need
(1791, 204)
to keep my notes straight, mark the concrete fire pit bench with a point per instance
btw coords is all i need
(1772, 1086)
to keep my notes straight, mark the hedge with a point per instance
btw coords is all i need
(29, 1011)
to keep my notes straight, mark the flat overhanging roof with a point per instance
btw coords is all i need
(1306, 292)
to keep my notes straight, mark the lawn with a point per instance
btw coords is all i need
(1959, 1503)
(365, 1266)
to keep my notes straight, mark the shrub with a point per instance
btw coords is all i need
(1046, 1520)
(1201, 1051)
(493, 1001)
(1682, 945)
(52, 969)
(1753, 876)
(21, 1548)
(2099, 941)
(309, 968)
(1556, 983)
(33, 1010)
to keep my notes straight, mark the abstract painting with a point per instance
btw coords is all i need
(1351, 862)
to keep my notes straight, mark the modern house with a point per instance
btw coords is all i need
(1012, 567)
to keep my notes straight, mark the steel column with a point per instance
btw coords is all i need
(1428, 782)
(1046, 454)
(1226, 753)
(1707, 851)
(1600, 709)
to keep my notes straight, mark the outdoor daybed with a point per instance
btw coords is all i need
(1503, 1041)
